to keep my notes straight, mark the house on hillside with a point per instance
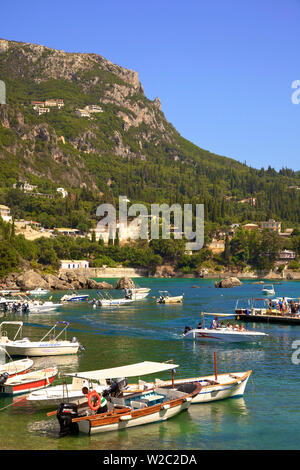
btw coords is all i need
(286, 255)
(5, 213)
(82, 113)
(62, 191)
(271, 224)
(250, 227)
(74, 264)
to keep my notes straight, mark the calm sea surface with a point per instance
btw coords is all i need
(267, 417)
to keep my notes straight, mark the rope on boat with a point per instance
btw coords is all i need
(14, 403)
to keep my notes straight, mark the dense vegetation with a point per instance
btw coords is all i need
(98, 159)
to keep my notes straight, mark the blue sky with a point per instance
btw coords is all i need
(223, 70)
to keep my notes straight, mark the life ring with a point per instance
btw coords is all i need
(91, 396)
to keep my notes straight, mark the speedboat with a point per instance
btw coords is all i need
(166, 298)
(108, 301)
(52, 346)
(38, 306)
(268, 289)
(137, 293)
(25, 383)
(113, 411)
(218, 332)
(74, 297)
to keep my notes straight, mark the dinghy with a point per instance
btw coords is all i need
(13, 368)
(24, 383)
(52, 346)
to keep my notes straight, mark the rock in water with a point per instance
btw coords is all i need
(228, 282)
(125, 283)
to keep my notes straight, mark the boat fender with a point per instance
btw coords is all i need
(3, 378)
(94, 400)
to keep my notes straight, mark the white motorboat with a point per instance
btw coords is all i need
(137, 293)
(268, 289)
(219, 332)
(38, 291)
(50, 347)
(38, 306)
(166, 298)
(105, 300)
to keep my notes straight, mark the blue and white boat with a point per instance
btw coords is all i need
(74, 297)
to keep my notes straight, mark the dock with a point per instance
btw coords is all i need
(268, 318)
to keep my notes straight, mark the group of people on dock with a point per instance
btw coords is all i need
(285, 307)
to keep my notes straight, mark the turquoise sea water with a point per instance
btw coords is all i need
(267, 417)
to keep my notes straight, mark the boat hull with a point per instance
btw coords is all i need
(47, 349)
(138, 418)
(227, 386)
(214, 335)
(27, 383)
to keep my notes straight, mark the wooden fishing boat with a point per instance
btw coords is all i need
(213, 387)
(45, 347)
(166, 298)
(115, 411)
(25, 383)
(137, 409)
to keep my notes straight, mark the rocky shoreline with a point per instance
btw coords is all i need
(78, 280)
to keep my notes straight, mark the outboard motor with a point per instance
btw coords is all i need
(186, 329)
(3, 378)
(115, 388)
(65, 413)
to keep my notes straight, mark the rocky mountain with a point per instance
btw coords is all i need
(129, 148)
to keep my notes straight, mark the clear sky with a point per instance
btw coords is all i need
(223, 70)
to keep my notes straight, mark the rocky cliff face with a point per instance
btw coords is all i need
(129, 124)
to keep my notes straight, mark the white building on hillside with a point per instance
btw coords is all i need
(73, 264)
(5, 213)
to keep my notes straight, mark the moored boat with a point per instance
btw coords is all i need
(114, 410)
(166, 298)
(38, 291)
(74, 297)
(13, 368)
(24, 383)
(45, 347)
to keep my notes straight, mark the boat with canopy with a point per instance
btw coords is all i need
(115, 411)
(49, 345)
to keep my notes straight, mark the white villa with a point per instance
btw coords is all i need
(73, 264)
(5, 213)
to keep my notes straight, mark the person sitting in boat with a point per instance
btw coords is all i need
(215, 324)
